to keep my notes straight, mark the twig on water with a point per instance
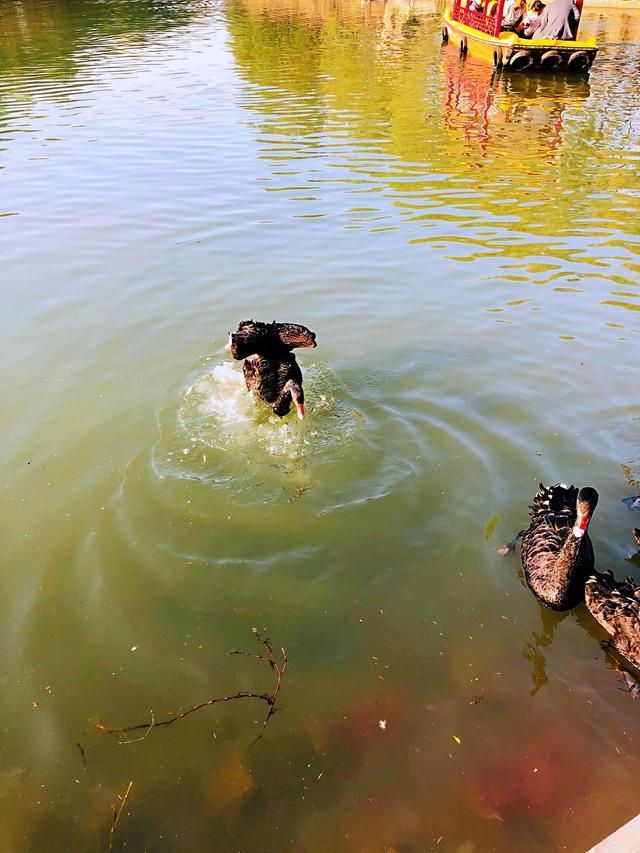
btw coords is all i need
(82, 753)
(117, 811)
(138, 739)
(278, 668)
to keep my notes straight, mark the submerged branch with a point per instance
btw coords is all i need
(117, 811)
(279, 669)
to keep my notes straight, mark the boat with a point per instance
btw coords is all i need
(479, 32)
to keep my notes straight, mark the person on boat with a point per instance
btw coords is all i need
(512, 15)
(558, 21)
(533, 14)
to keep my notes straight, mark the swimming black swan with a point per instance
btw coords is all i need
(616, 606)
(270, 368)
(557, 555)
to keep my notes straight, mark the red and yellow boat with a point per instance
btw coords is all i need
(481, 34)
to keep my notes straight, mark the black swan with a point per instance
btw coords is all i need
(270, 368)
(557, 555)
(616, 606)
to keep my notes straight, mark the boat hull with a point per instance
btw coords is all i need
(512, 53)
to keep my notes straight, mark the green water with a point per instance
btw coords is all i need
(466, 249)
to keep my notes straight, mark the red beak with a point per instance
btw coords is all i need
(583, 520)
(300, 409)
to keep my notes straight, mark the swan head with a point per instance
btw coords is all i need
(585, 506)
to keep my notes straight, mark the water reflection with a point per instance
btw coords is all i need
(611, 26)
(533, 648)
(52, 52)
(518, 118)
(51, 38)
(390, 117)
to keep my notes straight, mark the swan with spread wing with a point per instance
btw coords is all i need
(270, 369)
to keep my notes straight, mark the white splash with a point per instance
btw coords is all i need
(222, 395)
(223, 435)
(217, 410)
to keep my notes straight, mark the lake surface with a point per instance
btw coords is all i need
(466, 249)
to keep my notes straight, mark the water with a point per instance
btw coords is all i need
(465, 248)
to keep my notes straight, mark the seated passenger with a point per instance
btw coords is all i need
(532, 15)
(558, 21)
(512, 15)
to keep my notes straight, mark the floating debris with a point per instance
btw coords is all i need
(632, 503)
(491, 527)
(628, 475)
